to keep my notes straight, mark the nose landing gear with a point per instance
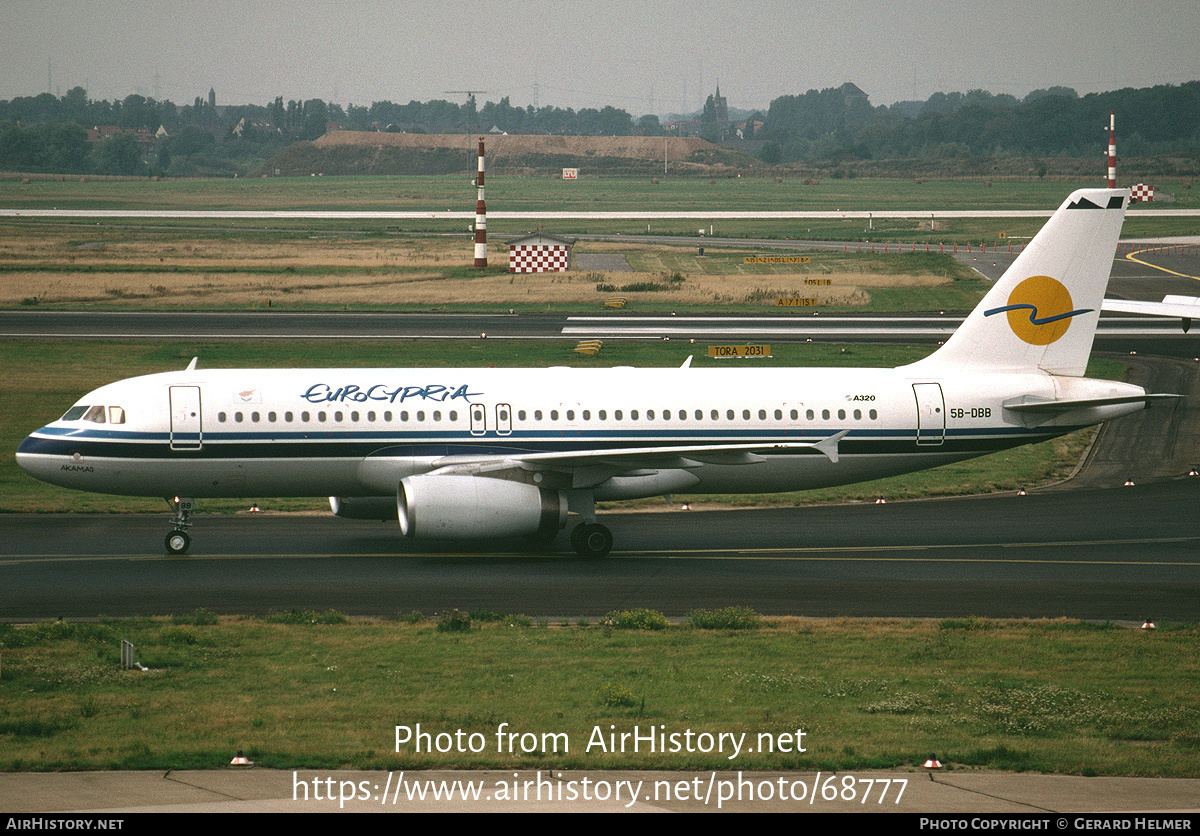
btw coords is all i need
(177, 541)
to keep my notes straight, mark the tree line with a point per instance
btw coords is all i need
(47, 133)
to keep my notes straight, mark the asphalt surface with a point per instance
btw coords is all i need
(1005, 801)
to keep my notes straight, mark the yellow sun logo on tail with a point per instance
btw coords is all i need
(1039, 310)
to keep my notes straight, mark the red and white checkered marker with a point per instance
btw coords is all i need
(1142, 192)
(538, 258)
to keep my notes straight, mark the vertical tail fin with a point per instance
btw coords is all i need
(1042, 313)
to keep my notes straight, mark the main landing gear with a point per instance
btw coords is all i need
(591, 539)
(177, 541)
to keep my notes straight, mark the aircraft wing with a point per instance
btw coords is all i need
(629, 459)
(1186, 308)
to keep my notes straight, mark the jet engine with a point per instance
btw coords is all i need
(459, 505)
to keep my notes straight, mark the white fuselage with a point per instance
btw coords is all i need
(357, 432)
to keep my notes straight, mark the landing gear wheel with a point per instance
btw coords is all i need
(591, 540)
(178, 541)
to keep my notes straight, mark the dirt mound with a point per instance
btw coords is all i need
(363, 152)
(502, 147)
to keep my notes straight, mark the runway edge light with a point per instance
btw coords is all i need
(241, 760)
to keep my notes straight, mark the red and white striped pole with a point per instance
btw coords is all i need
(480, 218)
(1112, 150)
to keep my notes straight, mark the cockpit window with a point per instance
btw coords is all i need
(74, 413)
(95, 414)
(116, 415)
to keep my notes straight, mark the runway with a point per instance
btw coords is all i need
(1105, 554)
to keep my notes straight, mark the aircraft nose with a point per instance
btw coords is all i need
(31, 457)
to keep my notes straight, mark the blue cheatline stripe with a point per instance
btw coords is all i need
(361, 444)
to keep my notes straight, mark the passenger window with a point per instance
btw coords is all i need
(520, 415)
(537, 415)
(745, 415)
(221, 417)
(272, 417)
(587, 415)
(795, 414)
(437, 415)
(237, 416)
(809, 415)
(421, 415)
(304, 416)
(650, 414)
(873, 414)
(387, 416)
(825, 414)
(371, 417)
(633, 415)
(779, 415)
(841, 414)
(289, 417)
(337, 417)
(570, 415)
(354, 416)
(617, 414)
(602, 415)
(729, 414)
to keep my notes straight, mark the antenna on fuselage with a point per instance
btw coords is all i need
(191, 367)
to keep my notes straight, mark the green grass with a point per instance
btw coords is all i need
(43, 378)
(511, 193)
(1053, 696)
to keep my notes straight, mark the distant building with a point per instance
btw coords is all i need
(539, 253)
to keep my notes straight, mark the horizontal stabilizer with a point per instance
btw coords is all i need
(1036, 406)
(1186, 308)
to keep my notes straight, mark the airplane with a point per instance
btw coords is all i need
(475, 453)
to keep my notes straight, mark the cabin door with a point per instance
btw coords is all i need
(931, 413)
(186, 432)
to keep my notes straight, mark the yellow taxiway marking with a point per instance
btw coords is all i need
(861, 554)
(1130, 257)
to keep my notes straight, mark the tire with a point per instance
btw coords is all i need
(592, 540)
(177, 542)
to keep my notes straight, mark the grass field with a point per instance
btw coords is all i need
(526, 194)
(312, 690)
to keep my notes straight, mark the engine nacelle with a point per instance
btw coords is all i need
(457, 505)
(380, 508)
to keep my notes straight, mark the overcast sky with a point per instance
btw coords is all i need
(644, 56)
